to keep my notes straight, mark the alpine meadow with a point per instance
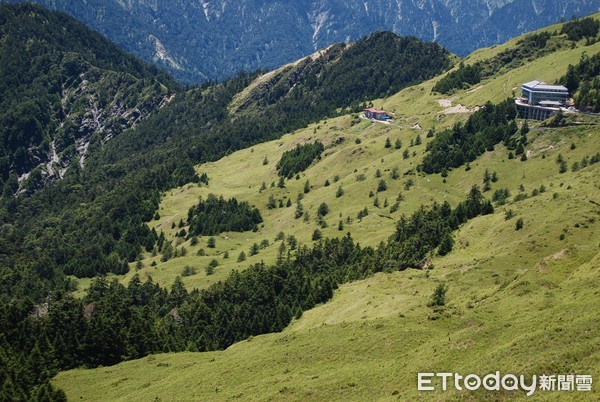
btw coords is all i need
(338, 228)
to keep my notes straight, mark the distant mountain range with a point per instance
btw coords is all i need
(199, 40)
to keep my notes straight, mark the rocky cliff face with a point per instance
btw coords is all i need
(65, 91)
(212, 39)
(95, 106)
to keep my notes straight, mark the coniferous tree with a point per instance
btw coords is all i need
(323, 209)
(299, 210)
(254, 249)
(446, 245)
(438, 298)
(520, 150)
(524, 128)
(519, 224)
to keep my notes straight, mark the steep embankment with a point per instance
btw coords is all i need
(518, 301)
(66, 91)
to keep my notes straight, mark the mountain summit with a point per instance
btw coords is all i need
(200, 40)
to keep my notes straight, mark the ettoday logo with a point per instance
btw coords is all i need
(507, 382)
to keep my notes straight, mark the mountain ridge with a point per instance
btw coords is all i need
(208, 40)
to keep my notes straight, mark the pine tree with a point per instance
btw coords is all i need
(292, 242)
(323, 209)
(520, 149)
(446, 245)
(178, 292)
(519, 224)
(299, 210)
(254, 249)
(438, 298)
(281, 251)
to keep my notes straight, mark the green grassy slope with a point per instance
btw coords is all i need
(242, 173)
(518, 301)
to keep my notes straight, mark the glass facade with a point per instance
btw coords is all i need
(535, 92)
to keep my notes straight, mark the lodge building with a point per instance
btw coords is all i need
(376, 114)
(539, 100)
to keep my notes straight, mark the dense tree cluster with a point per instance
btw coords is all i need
(531, 47)
(462, 78)
(583, 81)
(465, 142)
(299, 159)
(362, 69)
(418, 235)
(341, 80)
(114, 322)
(216, 215)
(581, 28)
